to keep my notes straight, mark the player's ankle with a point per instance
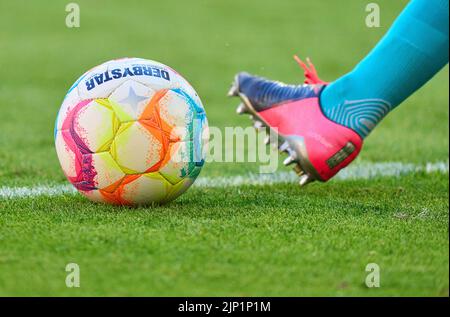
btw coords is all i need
(361, 115)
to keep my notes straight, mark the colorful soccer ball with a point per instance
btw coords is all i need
(131, 132)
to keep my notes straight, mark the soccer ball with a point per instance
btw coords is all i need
(131, 132)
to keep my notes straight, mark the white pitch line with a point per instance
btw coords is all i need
(39, 190)
(353, 172)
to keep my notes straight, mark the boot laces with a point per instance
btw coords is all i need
(310, 72)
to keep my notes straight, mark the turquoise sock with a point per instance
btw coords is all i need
(414, 50)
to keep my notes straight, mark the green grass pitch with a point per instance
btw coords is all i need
(270, 240)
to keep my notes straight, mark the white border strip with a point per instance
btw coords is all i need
(353, 172)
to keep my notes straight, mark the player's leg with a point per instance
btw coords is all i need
(414, 49)
(322, 127)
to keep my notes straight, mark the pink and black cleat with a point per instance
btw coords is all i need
(317, 146)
